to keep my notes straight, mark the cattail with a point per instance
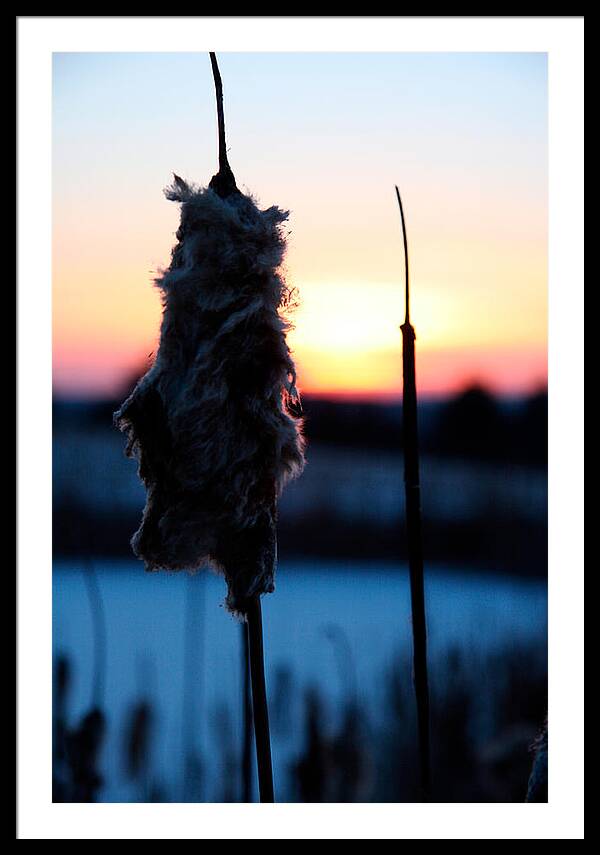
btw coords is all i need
(412, 490)
(215, 423)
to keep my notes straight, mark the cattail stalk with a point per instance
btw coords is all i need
(224, 184)
(413, 528)
(193, 638)
(246, 790)
(259, 701)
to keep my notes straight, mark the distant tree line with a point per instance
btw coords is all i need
(472, 425)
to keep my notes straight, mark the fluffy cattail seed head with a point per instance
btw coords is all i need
(215, 422)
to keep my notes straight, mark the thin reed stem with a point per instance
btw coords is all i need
(406, 270)
(413, 527)
(193, 640)
(259, 701)
(99, 633)
(223, 183)
(247, 719)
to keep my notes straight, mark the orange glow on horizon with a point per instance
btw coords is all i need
(88, 364)
(345, 338)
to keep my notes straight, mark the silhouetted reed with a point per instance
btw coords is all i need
(453, 718)
(312, 770)
(344, 660)
(137, 739)
(282, 700)
(83, 750)
(351, 757)
(193, 668)
(247, 723)
(412, 491)
(334, 766)
(60, 769)
(227, 755)
(98, 625)
(215, 423)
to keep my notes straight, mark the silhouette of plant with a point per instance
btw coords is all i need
(137, 745)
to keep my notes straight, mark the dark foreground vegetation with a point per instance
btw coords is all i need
(486, 713)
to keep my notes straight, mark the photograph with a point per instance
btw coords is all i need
(297, 486)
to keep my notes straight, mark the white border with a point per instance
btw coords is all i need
(562, 38)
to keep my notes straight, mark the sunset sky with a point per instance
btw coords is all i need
(327, 136)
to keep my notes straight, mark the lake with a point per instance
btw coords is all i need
(337, 626)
